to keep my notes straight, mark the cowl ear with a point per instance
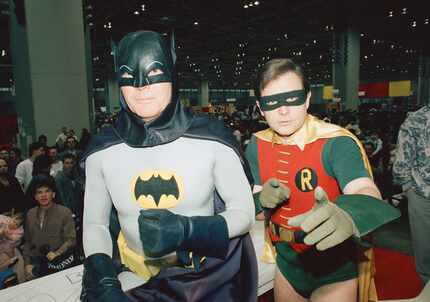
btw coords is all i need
(173, 47)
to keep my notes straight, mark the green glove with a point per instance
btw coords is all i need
(327, 225)
(273, 194)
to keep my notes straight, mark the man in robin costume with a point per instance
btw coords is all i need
(179, 187)
(313, 181)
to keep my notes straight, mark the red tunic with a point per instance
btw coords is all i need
(302, 172)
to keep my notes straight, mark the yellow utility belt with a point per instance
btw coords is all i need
(134, 261)
(146, 268)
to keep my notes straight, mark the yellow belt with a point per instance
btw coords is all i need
(134, 261)
(146, 268)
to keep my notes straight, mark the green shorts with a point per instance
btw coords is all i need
(312, 269)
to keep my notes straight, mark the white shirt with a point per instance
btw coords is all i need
(24, 172)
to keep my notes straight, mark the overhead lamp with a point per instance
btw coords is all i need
(245, 6)
(256, 3)
(404, 10)
(136, 12)
(3, 52)
(143, 7)
(414, 24)
(196, 23)
(390, 14)
(426, 21)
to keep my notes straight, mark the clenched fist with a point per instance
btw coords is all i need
(273, 194)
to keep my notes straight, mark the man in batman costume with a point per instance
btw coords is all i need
(180, 188)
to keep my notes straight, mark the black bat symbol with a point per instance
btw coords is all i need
(156, 187)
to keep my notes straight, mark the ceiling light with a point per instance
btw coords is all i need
(136, 12)
(390, 14)
(256, 3)
(3, 52)
(414, 24)
(245, 6)
(426, 21)
(404, 10)
(196, 23)
(143, 7)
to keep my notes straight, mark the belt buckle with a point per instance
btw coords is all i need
(286, 235)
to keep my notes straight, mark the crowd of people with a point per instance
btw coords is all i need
(41, 207)
(298, 162)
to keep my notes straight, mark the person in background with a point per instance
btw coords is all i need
(4, 153)
(49, 229)
(24, 170)
(70, 147)
(11, 194)
(69, 190)
(11, 261)
(61, 138)
(56, 163)
(411, 170)
(14, 159)
(43, 140)
(84, 140)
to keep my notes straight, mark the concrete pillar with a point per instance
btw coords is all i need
(346, 68)
(112, 94)
(90, 86)
(346, 65)
(204, 94)
(423, 93)
(50, 67)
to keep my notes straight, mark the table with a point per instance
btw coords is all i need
(65, 286)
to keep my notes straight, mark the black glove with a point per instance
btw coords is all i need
(100, 281)
(163, 232)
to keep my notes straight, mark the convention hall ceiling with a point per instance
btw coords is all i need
(225, 41)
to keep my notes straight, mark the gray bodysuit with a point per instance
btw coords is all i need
(198, 168)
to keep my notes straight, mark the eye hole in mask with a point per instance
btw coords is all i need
(126, 79)
(155, 72)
